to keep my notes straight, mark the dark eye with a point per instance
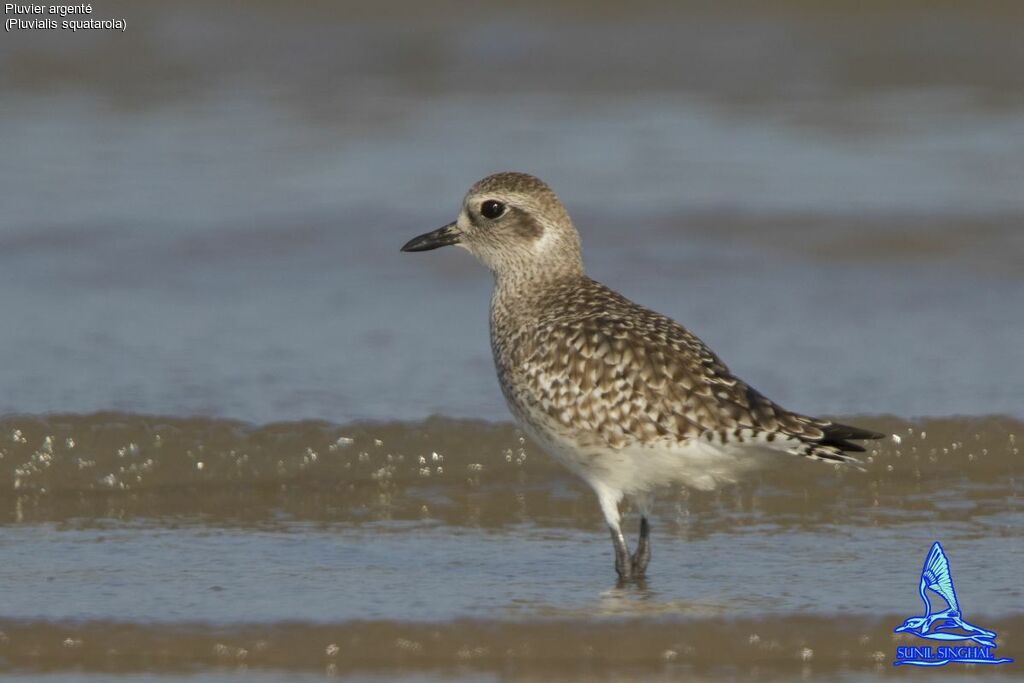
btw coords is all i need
(492, 209)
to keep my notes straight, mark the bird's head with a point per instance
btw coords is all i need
(515, 225)
(911, 624)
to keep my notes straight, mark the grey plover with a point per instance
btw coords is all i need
(627, 399)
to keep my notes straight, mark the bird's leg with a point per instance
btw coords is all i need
(642, 557)
(640, 560)
(609, 500)
(623, 561)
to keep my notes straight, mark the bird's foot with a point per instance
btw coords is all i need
(638, 565)
(623, 565)
(642, 557)
(633, 567)
(630, 569)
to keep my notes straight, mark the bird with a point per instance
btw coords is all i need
(936, 577)
(625, 398)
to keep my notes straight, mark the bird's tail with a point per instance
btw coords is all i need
(831, 442)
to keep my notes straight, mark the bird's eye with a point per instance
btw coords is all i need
(492, 209)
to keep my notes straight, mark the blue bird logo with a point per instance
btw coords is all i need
(945, 624)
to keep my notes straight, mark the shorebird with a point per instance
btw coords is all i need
(626, 398)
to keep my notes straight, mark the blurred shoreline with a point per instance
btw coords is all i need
(745, 52)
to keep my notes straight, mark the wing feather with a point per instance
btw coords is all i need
(631, 375)
(937, 577)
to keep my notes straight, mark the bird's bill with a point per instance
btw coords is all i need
(442, 237)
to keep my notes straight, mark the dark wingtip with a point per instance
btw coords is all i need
(840, 435)
(847, 432)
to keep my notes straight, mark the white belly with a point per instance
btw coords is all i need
(641, 468)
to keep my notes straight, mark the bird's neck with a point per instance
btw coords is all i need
(519, 308)
(522, 292)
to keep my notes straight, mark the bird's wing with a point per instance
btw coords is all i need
(629, 374)
(937, 576)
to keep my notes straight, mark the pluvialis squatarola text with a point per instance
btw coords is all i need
(627, 399)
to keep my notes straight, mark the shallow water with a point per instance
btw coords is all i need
(161, 543)
(305, 466)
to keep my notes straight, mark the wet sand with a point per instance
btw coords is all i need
(663, 649)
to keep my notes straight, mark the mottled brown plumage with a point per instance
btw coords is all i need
(612, 373)
(623, 396)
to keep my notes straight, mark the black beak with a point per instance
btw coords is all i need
(441, 237)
